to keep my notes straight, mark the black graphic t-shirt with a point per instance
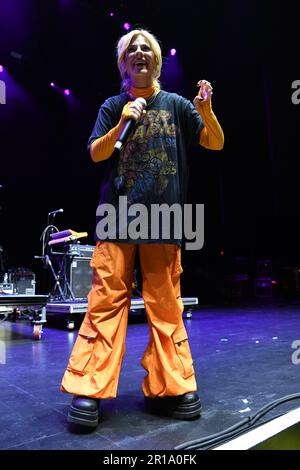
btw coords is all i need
(150, 171)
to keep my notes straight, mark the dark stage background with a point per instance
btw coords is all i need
(250, 189)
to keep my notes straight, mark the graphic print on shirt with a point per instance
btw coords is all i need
(144, 165)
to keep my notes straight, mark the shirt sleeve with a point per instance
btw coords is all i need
(212, 136)
(192, 123)
(104, 123)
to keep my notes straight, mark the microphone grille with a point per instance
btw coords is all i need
(142, 101)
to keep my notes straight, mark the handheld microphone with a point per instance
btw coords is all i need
(55, 212)
(127, 128)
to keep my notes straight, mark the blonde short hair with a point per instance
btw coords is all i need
(122, 46)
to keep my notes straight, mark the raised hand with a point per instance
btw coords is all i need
(204, 93)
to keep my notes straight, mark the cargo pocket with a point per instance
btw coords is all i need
(183, 353)
(83, 349)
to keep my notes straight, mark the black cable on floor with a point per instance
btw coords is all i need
(210, 445)
(237, 429)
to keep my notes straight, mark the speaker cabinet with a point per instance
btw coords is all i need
(23, 281)
(80, 277)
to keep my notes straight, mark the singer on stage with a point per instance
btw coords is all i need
(148, 165)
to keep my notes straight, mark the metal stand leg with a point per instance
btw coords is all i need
(56, 278)
(65, 291)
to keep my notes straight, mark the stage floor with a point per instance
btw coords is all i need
(242, 357)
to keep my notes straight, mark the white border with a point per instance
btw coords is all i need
(264, 432)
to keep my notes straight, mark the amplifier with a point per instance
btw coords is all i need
(80, 274)
(23, 281)
(82, 251)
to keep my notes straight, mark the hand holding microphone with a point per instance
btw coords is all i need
(132, 112)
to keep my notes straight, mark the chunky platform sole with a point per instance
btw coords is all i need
(83, 418)
(171, 406)
(187, 411)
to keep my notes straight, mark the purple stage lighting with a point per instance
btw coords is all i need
(126, 26)
(111, 14)
(52, 84)
(67, 92)
(173, 51)
(1, 68)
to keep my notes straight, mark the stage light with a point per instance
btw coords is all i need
(67, 92)
(126, 26)
(1, 68)
(111, 14)
(52, 84)
(173, 52)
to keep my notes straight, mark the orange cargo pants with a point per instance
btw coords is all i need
(95, 362)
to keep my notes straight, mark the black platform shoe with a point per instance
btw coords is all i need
(186, 406)
(84, 411)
